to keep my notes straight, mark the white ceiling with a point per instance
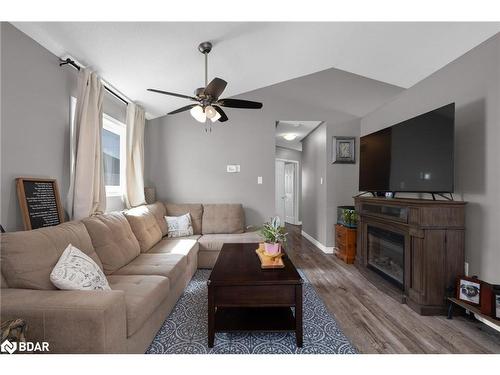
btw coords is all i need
(300, 128)
(135, 56)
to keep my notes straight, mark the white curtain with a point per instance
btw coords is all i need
(87, 195)
(134, 165)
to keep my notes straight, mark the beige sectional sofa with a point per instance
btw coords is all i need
(146, 271)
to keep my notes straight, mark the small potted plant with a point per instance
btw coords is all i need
(274, 236)
(350, 218)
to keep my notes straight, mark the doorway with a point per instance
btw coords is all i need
(287, 190)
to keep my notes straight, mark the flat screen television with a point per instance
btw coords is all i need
(415, 155)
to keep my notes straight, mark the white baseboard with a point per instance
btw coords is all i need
(488, 323)
(319, 245)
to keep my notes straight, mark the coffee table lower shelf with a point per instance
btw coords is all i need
(254, 319)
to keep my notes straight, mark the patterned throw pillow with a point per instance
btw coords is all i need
(179, 226)
(76, 271)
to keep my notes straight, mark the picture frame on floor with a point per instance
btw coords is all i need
(344, 150)
(469, 290)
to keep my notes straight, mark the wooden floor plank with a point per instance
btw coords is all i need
(376, 322)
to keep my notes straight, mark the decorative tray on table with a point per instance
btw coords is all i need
(268, 261)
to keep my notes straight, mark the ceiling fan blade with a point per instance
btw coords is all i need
(215, 87)
(186, 108)
(237, 103)
(223, 116)
(174, 94)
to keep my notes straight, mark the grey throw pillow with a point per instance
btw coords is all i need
(76, 271)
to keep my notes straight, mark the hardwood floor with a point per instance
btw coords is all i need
(375, 322)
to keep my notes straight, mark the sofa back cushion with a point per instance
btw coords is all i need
(28, 257)
(159, 211)
(113, 240)
(223, 218)
(144, 226)
(195, 209)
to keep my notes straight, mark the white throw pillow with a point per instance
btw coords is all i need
(179, 226)
(76, 271)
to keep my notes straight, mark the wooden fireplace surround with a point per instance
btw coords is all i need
(433, 251)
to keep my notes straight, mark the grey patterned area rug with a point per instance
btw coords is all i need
(185, 330)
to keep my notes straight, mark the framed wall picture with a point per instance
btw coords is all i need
(469, 290)
(40, 202)
(344, 150)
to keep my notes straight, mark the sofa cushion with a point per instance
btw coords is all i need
(214, 242)
(172, 266)
(143, 295)
(159, 211)
(76, 271)
(223, 218)
(187, 246)
(196, 211)
(113, 240)
(207, 259)
(28, 257)
(144, 226)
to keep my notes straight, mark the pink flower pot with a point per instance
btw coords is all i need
(272, 248)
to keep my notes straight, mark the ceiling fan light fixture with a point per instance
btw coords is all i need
(210, 112)
(290, 136)
(198, 113)
(207, 98)
(216, 117)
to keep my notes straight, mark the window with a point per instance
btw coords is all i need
(113, 150)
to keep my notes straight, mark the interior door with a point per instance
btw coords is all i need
(280, 189)
(289, 193)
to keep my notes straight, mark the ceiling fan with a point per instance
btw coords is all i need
(208, 105)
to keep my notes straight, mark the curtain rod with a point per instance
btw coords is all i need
(68, 61)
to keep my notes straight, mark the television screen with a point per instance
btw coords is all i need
(415, 155)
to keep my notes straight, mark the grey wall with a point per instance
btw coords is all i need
(473, 83)
(35, 104)
(313, 192)
(341, 179)
(288, 154)
(35, 113)
(186, 165)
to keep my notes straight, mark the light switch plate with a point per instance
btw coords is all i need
(259, 180)
(233, 168)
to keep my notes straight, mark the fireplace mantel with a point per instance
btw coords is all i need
(433, 234)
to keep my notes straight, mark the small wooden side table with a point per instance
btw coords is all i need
(345, 241)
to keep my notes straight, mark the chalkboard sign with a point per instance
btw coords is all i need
(39, 201)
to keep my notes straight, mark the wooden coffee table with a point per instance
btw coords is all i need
(243, 297)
